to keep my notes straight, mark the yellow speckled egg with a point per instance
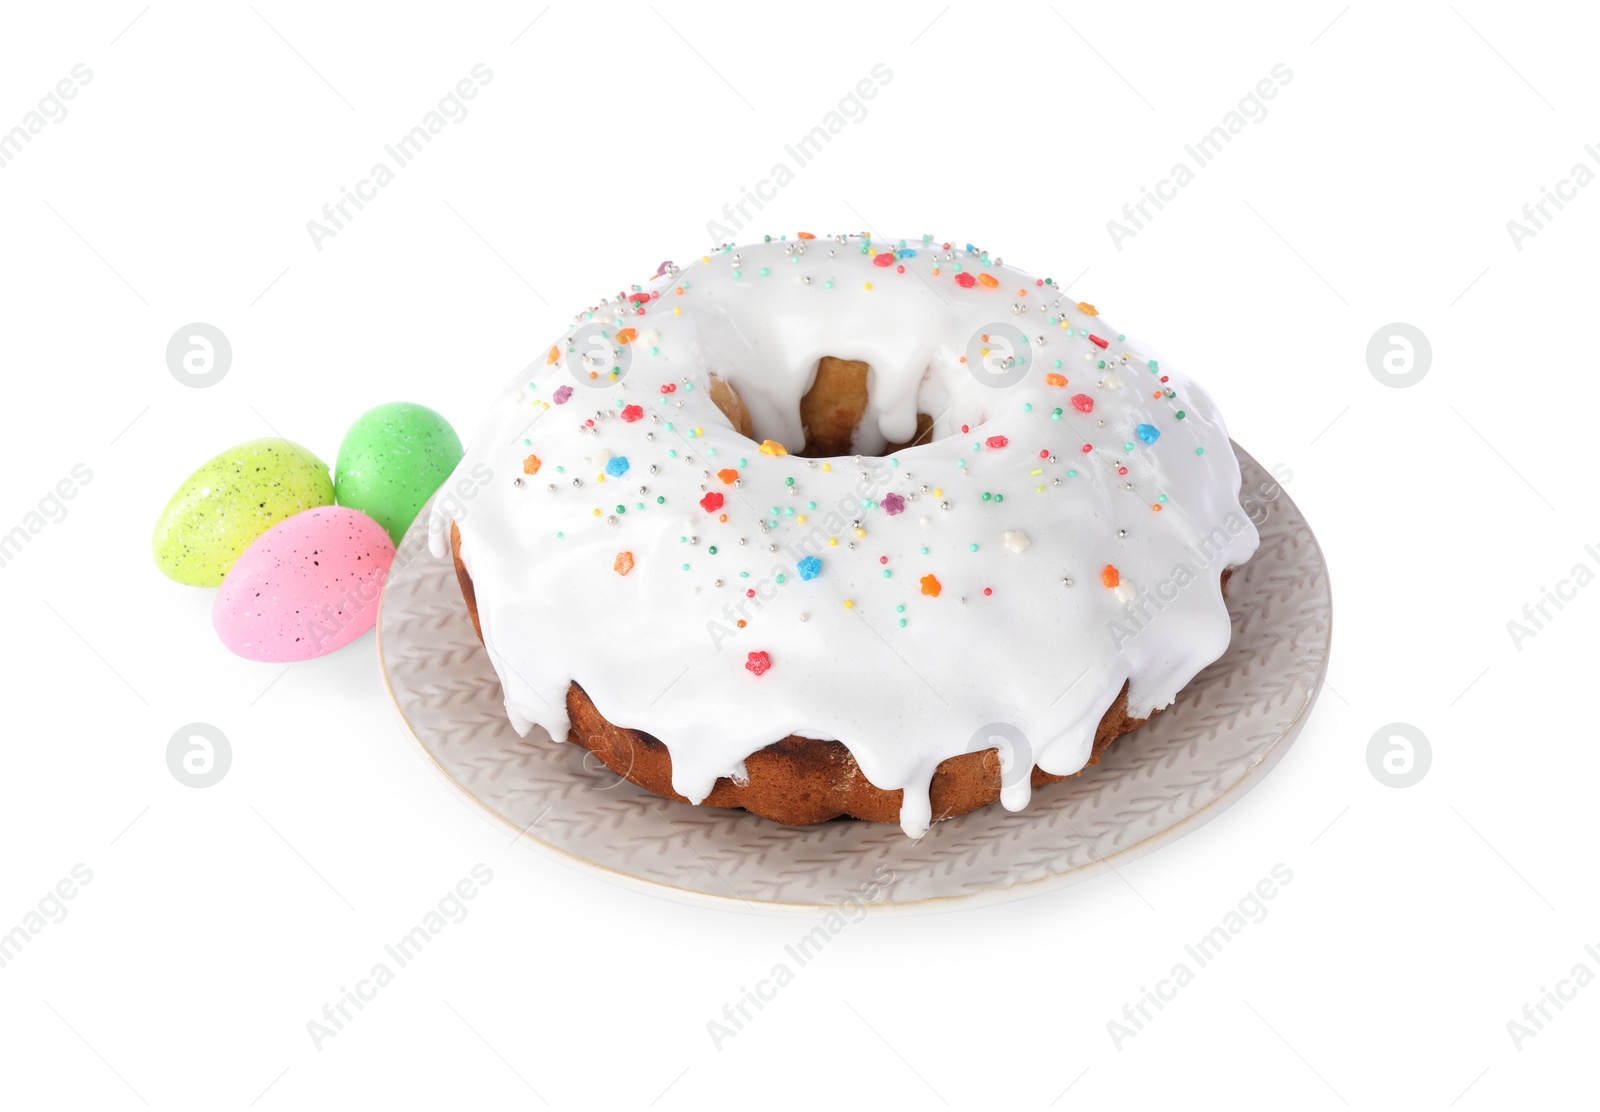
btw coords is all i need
(231, 500)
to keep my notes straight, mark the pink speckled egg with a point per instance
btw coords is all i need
(307, 586)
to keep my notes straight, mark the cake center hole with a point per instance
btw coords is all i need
(830, 412)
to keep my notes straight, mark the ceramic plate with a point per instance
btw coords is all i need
(1217, 741)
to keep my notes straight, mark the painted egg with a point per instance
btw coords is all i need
(230, 501)
(308, 586)
(392, 460)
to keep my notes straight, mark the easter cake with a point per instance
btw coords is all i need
(846, 526)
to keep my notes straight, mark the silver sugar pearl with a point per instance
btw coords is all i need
(517, 481)
(1121, 533)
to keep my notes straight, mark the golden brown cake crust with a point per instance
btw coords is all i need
(796, 780)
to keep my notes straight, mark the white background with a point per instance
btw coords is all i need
(1377, 189)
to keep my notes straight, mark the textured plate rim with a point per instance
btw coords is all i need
(984, 897)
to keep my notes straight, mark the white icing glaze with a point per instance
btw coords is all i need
(658, 648)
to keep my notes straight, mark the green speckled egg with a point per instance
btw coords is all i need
(224, 506)
(392, 460)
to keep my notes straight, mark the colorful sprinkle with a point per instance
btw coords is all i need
(632, 413)
(1110, 576)
(931, 586)
(617, 466)
(893, 504)
(531, 465)
(1148, 433)
(810, 568)
(623, 564)
(711, 503)
(758, 662)
(561, 395)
